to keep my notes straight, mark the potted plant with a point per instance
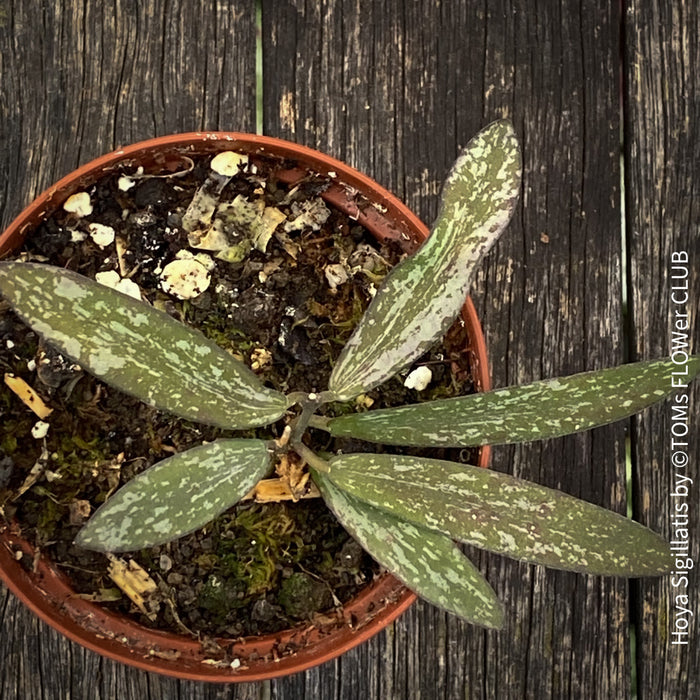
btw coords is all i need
(407, 511)
(43, 586)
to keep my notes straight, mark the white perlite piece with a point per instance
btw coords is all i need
(419, 378)
(185, 278)
(228, 163)
(109, 279)
(40, 430)
(102, 235)
(336, 275)
(112, 280)
(78, 203)
(125, 183)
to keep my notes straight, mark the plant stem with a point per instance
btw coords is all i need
(301, 397)
(311, 458)
(308, 408)
(320, 422)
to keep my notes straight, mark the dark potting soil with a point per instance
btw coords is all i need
(284, 300)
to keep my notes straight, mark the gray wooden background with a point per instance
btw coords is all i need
(604, 96)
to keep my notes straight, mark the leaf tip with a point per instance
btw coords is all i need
(85, 539)
(495, 617)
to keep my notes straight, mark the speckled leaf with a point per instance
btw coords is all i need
(535, 411)
(176, 496)
(422, 296)
(503, 514)
(426, 561)
(138, 349)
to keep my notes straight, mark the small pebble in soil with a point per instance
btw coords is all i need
(7, 466)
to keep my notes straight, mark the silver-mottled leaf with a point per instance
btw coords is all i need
(422, 296)
(176, 496)
(138, 349)
(535, 411)
(503, 514)
(426, 561)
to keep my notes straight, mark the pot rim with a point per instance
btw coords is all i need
(382, 601)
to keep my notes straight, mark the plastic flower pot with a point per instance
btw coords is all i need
(45, 590)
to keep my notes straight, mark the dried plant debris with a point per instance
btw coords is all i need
(28, 396)
(276, 278)
(136, 584)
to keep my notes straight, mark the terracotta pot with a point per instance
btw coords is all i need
(47, 592)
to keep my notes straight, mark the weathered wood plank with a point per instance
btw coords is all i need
(78, 80)
(662, 148)
(395, 88)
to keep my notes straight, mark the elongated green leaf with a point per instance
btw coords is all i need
(138, 349)
(422, 296)
(429, 563)
(503, 514)
(176, 496)
(535, 411)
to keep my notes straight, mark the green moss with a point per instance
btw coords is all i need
(256, 571)
(327, 563)
(220, 596)
(88, 446)
(8, 444)
(246, 563)
(73, 457)
(5, 397)
(301, 595)
(253, 545)
(50, 515)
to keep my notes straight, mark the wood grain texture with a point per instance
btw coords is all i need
(395, 88)
(662, 148)
(82, 78)
(78, 80)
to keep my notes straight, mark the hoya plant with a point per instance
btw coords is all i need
(407, 512)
